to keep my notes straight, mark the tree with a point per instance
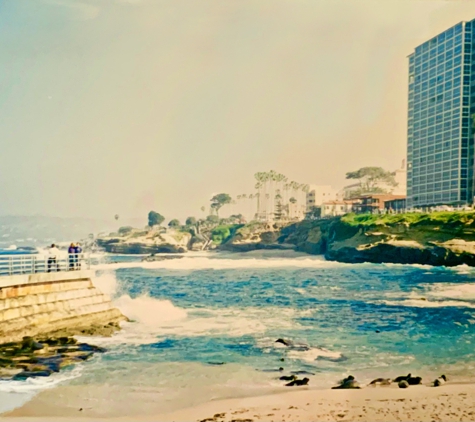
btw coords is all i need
(174, 223)
(314, 213)
(278, 206)
(237, 218)
(125, 230)
(219, 200)
(155, 219)
(371, 179)
(190, 221)
(213, 219)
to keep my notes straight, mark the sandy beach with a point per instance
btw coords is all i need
(418, 403)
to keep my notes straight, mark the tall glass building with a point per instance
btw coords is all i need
(440, 147)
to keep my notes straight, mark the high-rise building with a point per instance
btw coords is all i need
(440, 147)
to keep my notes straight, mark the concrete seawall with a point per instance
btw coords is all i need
(48, 304)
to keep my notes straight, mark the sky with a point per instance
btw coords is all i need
(122, 106)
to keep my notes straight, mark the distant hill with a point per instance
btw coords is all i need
(42, 230)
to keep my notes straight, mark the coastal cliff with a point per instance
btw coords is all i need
(443, 238)
(433, 239)
(152, 241)
(439, 238)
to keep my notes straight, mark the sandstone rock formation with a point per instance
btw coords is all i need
(147, 242)
(31, 358)
(429, 240)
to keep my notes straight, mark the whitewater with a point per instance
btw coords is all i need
(203, 327)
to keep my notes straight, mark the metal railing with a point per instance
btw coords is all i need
(34, 263)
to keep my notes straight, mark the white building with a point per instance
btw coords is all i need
(333, 208)
(317, 195)
(400, 175)
(294, 212)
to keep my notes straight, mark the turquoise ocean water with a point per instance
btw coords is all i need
(204, 326)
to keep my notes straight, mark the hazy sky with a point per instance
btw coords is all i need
(116, 106)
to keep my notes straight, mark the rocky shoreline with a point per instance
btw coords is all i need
(438, 239)
(42, 357)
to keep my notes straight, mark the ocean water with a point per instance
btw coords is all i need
(204, 327)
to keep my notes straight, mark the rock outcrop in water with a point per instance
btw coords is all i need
(256, 236)
(41, 358)
(441, 238)
(431, 239)
(146, 242)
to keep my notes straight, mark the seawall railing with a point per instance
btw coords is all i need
(34, 263)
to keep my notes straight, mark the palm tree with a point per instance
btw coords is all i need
(251, 197)
(243, 205)
(258, 197)
(258, 186)
(261, 185)
(278, 206)
(293, 188)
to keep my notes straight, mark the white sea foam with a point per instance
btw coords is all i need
(451, 290)
(434, 295)
(314, 354)
(153, 318)
(15, 393)
(221, 262)
(418, 303)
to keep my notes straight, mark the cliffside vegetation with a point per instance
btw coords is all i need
(438, 238)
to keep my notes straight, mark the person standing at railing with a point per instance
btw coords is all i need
(72, 257)
(53, 255)
(78, 251)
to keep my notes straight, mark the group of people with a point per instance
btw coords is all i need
(74, 252)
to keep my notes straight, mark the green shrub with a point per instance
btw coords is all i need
(221, 234)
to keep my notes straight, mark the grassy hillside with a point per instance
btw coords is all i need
(443, 218)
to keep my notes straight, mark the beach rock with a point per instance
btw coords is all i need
(153, 241)
(30, 358)
(27, 374)
(79, 355)
(440, 381)
(381, 381)
(297, 382)
(6, 362)
(403, 384)
(91, 348)
(53, 363)
(34, 367)
(10, 350)
(30, 344)
(8, 373)
(58, 341)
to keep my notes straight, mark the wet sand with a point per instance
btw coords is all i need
(417, 403)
